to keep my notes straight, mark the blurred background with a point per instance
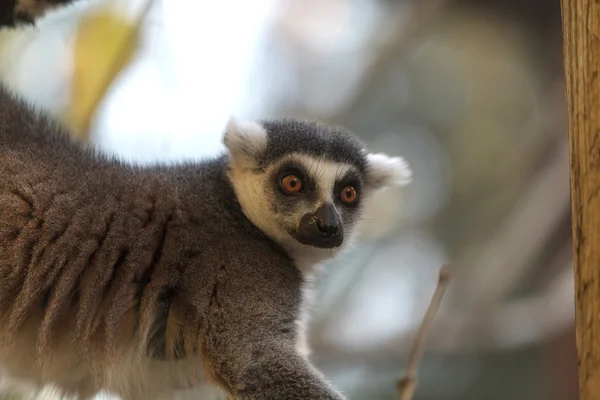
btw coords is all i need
(470, 92)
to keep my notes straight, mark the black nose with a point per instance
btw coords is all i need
(327, 221)
(327, 228)
(322, 229)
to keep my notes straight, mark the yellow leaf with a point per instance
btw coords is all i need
(105, 43)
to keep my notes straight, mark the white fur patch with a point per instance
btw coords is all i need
(245, 141)
(385, 171)
(308, 299)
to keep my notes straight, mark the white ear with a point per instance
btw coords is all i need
(246, 142)
(384, 171)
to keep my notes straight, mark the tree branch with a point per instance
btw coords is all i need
(407, 385)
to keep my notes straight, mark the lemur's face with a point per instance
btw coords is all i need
(315, 200)
(305, 184)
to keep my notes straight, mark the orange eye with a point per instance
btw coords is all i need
(291, 184)
(349, 195)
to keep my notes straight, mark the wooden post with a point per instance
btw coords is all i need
(581, 30)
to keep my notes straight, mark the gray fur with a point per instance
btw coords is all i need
(104, 257)
(145, 280)
(314, 139)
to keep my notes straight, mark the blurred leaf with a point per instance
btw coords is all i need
(104, 46)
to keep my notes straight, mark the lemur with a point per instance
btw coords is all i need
(141, 281)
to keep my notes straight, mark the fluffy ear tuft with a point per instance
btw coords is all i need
(385, 171)
(246, 142)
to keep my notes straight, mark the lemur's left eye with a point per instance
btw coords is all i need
(349, 195)
(291, 183)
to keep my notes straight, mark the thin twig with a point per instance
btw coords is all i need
(407, 385)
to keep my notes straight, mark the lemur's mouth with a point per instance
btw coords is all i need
(319, 242)
(322, 229)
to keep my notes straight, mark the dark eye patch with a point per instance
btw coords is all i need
(287, 203)
(297, 169)
(349, 179)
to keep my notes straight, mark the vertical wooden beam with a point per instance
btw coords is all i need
(581, 30)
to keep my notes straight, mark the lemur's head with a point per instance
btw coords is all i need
(304, 183)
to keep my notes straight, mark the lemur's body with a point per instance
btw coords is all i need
(141, 281)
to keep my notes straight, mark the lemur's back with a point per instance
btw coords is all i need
(101, 263)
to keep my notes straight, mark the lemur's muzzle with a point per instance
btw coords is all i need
(322, 229)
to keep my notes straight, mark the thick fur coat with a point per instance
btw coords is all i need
(145, 280)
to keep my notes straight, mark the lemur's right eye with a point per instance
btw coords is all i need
(349, 195)
(291, 183)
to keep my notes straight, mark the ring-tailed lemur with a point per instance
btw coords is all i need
(144, 280)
